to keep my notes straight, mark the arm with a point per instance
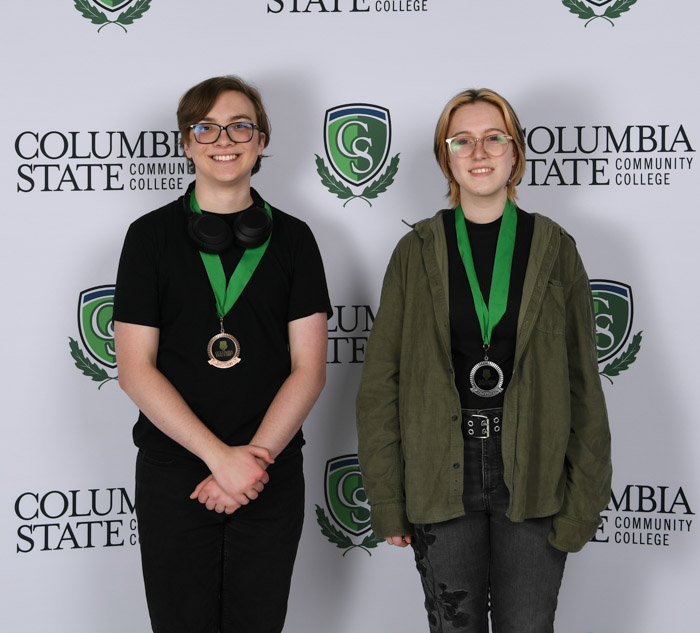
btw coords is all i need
(308, 340)
(378, 424)
(588, 454)
(235, 468)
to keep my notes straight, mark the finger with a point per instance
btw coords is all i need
(262, 453)
(199, 487)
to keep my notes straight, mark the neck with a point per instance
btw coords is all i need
(483, 210)
(223, 200)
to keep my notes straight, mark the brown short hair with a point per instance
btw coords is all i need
(198, 101)
(513, 128)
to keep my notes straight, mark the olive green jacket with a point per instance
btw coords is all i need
(555, 438)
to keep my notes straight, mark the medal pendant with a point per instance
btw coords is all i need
(486, 379)
(224, 351)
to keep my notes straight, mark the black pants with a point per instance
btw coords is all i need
(215, 573)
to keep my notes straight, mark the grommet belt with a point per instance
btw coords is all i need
(480, 424)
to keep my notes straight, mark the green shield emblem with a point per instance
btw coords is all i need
(612, 302)
(357, 138)
(96, 323)
(345, 494)
(112, 5)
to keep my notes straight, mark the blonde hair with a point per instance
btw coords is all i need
(513, 128)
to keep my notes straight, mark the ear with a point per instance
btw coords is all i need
(186, 148)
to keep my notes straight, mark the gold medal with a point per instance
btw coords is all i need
(223, 350)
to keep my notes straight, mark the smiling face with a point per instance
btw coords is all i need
(482, 178)
(225, 164)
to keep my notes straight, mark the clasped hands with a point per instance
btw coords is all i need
(237, 477)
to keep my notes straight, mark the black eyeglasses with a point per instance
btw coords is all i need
(240, 132)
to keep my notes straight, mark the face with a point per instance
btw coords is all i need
(225, 163)
(481, 178)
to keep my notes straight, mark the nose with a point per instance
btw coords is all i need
(479, 151)
(224, 138)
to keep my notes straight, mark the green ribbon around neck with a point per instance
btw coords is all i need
(227, 294)
(489, 315)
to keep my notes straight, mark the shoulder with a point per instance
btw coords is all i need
(427, 229)
(158, 218)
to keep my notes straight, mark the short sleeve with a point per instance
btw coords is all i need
(309, 290)
(136, 293)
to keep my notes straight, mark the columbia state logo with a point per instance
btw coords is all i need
(347, 504)
(121, 13)
(96, 327)
(614, 309)
(357, 138)
(586, 9)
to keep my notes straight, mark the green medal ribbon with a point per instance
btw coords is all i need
(490, 315)
(227, 295)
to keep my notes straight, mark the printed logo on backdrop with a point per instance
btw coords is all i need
(586, 9)
(121, 13)
(347, 504)
(614, 309)
(357, 138)
(348, 332)
(649, 155)
(96, 327)
(67, 161)
(75, 519)
(644, 515)
(347, 6)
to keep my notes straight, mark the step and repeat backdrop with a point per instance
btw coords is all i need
(607, 91)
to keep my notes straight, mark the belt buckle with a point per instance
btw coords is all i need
(485, 426)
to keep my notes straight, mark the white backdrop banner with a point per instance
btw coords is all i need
(89, 142)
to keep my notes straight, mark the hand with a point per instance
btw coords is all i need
(210, 494)
(240, 472)
(401, 541)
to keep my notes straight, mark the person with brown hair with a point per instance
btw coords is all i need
(483, 433)
(221, 311)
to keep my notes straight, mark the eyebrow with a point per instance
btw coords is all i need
(235, 117)
(489, 131)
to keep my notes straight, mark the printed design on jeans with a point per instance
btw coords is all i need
(447, 602)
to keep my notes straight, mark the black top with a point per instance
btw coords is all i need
(467, 343)
(162, 283)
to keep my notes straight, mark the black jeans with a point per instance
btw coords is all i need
(215, 573)
(483, 556)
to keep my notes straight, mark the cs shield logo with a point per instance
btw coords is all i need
(347, 503)
(357, 138)
(96, 326)
(612, 302)
(124, 12)
(586, 9)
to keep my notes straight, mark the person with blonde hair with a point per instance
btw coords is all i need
(483, 433)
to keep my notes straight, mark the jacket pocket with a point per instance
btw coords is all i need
(552, 317)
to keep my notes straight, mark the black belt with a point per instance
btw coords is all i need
(480, 424)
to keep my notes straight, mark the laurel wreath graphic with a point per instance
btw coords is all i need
(89, 369)
(340, 540)
(96, 16)
(585, 12)
(623, 361)
(370, 191)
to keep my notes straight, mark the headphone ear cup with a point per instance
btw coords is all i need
(209, 233)
(252, 227)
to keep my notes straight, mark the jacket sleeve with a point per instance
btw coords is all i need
(588, 454)
(378, 425)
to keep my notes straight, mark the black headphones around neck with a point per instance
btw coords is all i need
(212, 234)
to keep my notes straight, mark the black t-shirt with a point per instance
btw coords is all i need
(162, 283)
(467, 343)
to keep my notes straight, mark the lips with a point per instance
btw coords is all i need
(224, 158)
(481, 170)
